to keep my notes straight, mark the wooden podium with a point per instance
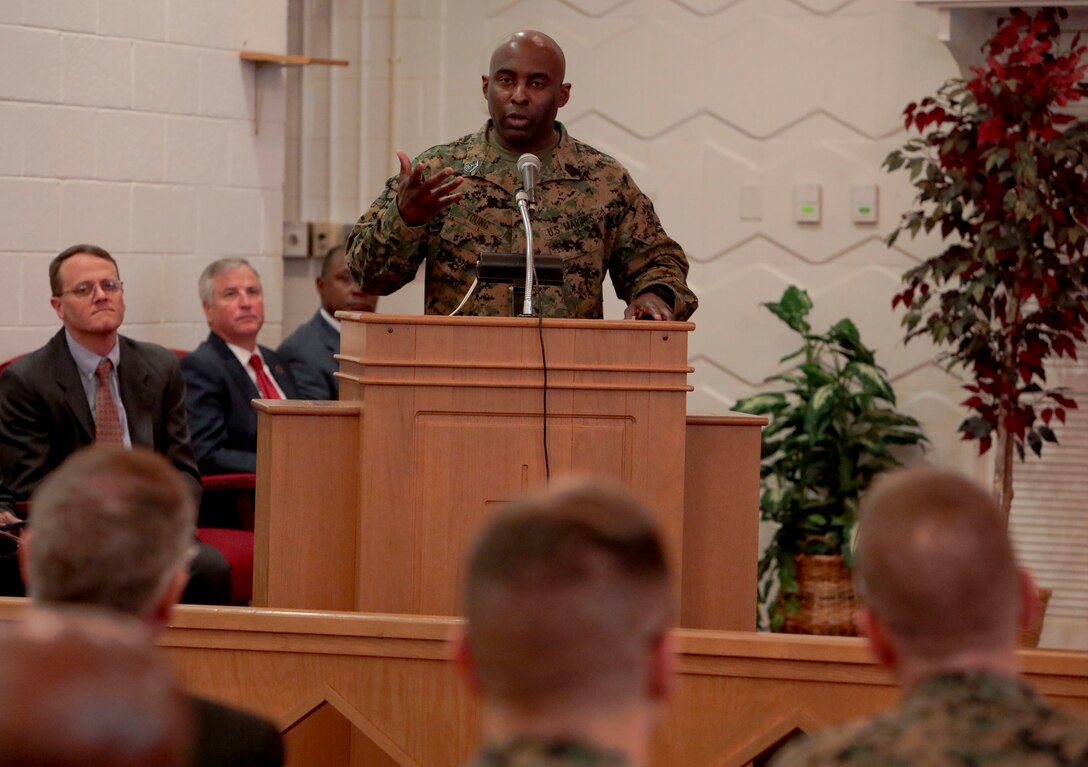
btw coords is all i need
(455, 418)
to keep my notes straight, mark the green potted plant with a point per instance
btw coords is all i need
(1001, 172)
(832, 428)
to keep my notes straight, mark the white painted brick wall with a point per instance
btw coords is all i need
(129, 124)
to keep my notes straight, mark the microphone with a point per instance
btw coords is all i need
(529, 168)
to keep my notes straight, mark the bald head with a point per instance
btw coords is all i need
(534, 42)
(567, 593)
(85, 689)
(935, 565)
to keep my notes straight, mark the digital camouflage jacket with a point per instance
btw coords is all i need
(954, 719)
(533, 752)
(588, 211)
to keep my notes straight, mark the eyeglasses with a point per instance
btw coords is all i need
(86, 289)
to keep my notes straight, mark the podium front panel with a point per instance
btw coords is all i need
(454, 428)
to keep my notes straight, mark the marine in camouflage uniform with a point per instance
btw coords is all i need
(941, 599)
(588, 210)
(533, 752)
(953, 719)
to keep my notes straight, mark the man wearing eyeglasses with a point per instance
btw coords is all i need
(91, 385)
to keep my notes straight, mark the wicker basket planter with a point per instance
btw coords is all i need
(827, 597)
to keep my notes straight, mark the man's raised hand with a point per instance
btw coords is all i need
(419, 198)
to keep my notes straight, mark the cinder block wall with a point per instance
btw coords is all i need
(130, 124)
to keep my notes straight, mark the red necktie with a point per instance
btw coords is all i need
(107, 422)
(264, 383)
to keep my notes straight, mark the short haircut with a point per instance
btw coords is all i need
(88, 689)
(935, 564)
(111, 527)
(54, 266)
(206, 282)
(330, 256)
(566, 592)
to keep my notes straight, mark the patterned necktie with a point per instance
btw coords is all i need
(107, 422)
(264, 383)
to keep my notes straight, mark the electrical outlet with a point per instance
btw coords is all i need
(296, 239)
(323, 235)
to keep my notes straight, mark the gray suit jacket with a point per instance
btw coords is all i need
(44, 415)
(308, 354)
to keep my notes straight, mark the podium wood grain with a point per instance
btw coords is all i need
(454, 427)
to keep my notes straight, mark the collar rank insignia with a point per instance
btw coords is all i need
(471, 167)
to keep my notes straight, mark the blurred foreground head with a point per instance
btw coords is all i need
(112, 528)
(87, 689)
(568, 603)
(935, 570)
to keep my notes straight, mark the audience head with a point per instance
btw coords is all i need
(111, 528)
(87, 689)
(568, 604)
(337, 287)
(935, 571)
(87, 294)
(233, 299)
(524, 89)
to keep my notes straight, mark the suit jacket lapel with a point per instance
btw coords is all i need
(137, 398)
(234, 366)
(328, 335)
(67, 377)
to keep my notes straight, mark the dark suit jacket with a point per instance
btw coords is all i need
(44, 415)
(229, 737)
(218, 397)
(308, 354)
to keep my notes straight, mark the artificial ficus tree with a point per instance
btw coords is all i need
(1001, 172)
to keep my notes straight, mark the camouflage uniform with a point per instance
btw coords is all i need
(588, 211)
(532, 752)
(954, 719)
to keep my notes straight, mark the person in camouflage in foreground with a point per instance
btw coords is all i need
(942, 601)
(457, 201)
(568, 605)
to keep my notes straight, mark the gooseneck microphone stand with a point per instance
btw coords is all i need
(523, 206)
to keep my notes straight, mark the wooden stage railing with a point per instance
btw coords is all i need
(353, 688)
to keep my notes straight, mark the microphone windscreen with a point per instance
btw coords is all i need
(528, 161)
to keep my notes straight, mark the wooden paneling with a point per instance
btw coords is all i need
(316, 521)
(389, 679)
(306, 503)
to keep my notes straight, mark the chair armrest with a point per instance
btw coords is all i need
(241, 481)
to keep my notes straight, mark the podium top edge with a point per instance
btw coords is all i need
(307, 407)
(507, 322)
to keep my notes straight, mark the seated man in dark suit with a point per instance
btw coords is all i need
(309, 351)
(81, 549)
(230, 369)
(84, 688)
(89, 384)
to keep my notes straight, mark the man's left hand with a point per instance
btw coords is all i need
(648, 306)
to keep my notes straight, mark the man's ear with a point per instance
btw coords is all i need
(163, 609)
(870, 627)
(1029, 599)
(463, 660)
(661, 667)
(485, 80)
(54, 301)
(564, 94)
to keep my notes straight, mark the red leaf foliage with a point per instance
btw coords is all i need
(998, 173)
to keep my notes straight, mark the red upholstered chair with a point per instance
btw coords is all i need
(236, 546)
